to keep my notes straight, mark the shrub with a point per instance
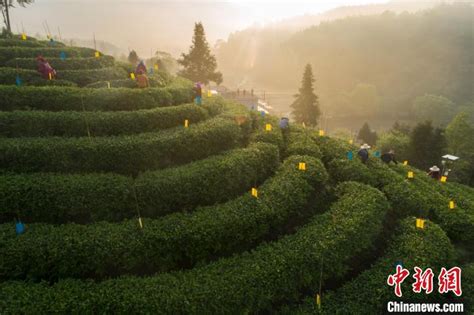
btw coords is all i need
(80, 77)
(56, 198)
(458, 223)
(104, 249)
(468, 285)
(301, 142)
(333, 148)
(8, 53)
(30, 42)
(245, 283)
(66, 99)
(160, 79)
(419, 196)
(120, 154)
(368, 293)
(205, 182)
(64, 64)
(273, 136)
(80, 124)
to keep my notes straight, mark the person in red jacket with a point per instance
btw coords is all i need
(45, 69)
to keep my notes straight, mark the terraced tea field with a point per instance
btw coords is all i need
(139, 201)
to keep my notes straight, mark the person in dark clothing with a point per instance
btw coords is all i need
(198, 94)
(284, 123)
(364, 152)
(141, 68)
(434, 172)
(389, 157)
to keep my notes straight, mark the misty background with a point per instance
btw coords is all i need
(374, 61)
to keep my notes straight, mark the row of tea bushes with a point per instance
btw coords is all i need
(301, 142)
(427, 194)
(419, 196)
(246, 283)
(77, 99)
(8, 76)
(56, 198)
(29, 42)
(8, 53)
(120, 154)
(63, 64)
(174, 241)
(80, 124)
(367, 294)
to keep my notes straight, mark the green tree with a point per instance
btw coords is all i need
(306, 105)
(394, 140)
(438, 109)
(460, 139)
(367, 135)
(427, 145)
(199, 65)
(5, 6)
(133, 57)
(401, 128)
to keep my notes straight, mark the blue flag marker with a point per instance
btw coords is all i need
(19, 228)
(151, 71)
(262, 113)
(18, 80)
(377, 153)
(62, 55)
(350, 155)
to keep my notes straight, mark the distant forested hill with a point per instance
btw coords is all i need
(386, 60)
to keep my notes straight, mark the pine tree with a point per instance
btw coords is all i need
(133, 57)
(306, 105)
(199, 65)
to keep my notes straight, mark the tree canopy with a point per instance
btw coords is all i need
(199, 65)
(306, 105)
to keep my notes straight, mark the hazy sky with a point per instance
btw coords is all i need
(164, 25)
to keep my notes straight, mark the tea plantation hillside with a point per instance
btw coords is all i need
(139, 201)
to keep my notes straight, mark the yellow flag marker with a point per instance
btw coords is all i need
(451, 204)
(108, 84)
(268, 127)
(321, 132)
(23, 36)
(132, 75)
(209, 93)
(50, 75)
(443, 179)
(304, 125)
(302, 166)
(140, 222)
(351, 141)
(318, 300)
(186, 123)
(97, 54)
(410, 174)
(254, 192)
(405, 163)
(420, 223)
(155, 66)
